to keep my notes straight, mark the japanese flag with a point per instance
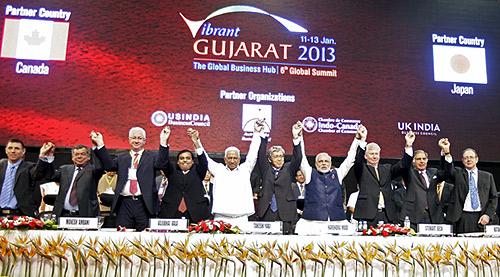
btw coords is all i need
(459, 64)
(35, 39)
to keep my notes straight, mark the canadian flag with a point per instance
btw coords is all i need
(35, 39)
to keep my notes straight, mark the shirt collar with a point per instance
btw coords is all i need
(15, 164)
(132, 152)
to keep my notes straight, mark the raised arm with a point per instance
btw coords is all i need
(297, 151)
(161, 161)
(101, 152)
(202, 166)
(253, 150)
(44, 168)
(346, 165)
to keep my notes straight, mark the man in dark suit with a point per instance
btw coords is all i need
(17, 185)
(185, 194)
(136, 195)
(277, 200)
(474, 199)
(374, 202)
(77, 182)
(422, 202)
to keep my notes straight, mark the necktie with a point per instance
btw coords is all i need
(302, 190)
(376, 173)
(422, 178)
(474, 195)
(182, 206)
(8, 187)
(439, 189)
(73, 199)
(274, 204)
(133, 183)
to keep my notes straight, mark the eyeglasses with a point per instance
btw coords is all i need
(136, 138)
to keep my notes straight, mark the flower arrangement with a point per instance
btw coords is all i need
(26, 223)
(387, 229)
(213, 227)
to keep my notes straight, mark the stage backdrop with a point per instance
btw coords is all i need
(68, 67)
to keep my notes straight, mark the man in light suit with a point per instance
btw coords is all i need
(136, 195)
(185, 194)
(474, 199)
(422, 201)
(17, 185)
(277, 199)
(78, 182)
(374, 202)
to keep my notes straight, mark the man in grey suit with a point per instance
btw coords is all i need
(422, 201)
(277, 199)
(474, 199)
(77, 182)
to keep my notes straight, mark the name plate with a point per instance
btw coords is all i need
(435, 229)
(168, 224)
(264, 227)
(492, 230)
(343, 228)
(78, 223)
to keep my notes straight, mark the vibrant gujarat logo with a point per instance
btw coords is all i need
(194, 26)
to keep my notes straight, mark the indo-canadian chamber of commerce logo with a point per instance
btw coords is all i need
(330, 125)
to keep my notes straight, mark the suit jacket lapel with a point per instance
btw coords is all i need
(2, 174)
(482, 188)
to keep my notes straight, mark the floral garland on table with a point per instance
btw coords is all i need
(213, 227)
(386, 230)
(26, 223)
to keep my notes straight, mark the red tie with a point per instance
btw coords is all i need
(73, 199)
(133, 183)
(182, 206)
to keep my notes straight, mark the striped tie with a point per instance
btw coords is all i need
(8, 188)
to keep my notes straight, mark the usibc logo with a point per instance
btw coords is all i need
(195, 25)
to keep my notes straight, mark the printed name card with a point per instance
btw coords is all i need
(343, 228)
(435, 229)
(168, 224)
(493, 230)
(264, 227)
(78, 223)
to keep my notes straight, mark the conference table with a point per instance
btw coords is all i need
(107, 252)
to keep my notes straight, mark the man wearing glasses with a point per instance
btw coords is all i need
(136, 194)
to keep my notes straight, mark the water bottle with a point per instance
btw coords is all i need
(360, 226)
(365, 225)
(407, 222)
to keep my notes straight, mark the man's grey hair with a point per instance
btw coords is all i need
(134, 130)
(232, 148)
(372, 146)
(275, 148)
(323, 154)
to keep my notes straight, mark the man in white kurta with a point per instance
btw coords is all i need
(232, 191)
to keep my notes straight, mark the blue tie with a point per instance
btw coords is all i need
(474, 195)
(7, 188)
(274, 204)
